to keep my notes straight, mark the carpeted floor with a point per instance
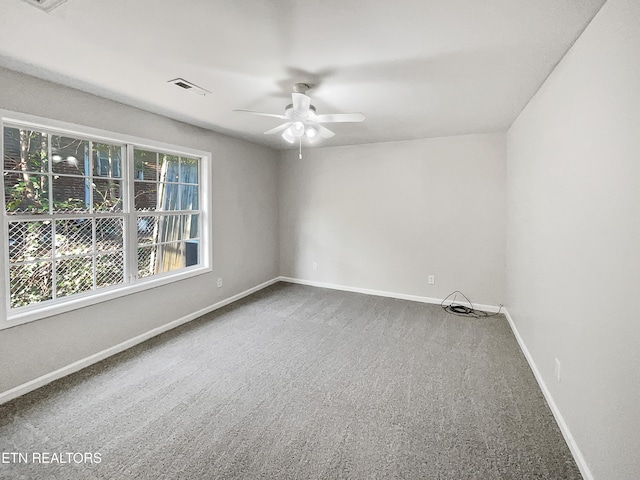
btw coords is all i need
(298, 382)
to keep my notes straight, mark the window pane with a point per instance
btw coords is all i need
(70, 194)
(190, 227)
(146, 261)
(74, 275)
(69, 155)
(29, 241)
(74, 237)
(107, 160)
(192, 252)
(189, 197)
(161, 258)
(25, 150)
(169, 168)
(109, 269)
(147, 229)
(107, 195)
(169, 228)
(146, 196)
(109, 234)
(26, 193)
(168, 195)
(171, 256)
(30, 284)
(145, 165)
(188, 170)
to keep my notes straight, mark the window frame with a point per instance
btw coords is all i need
(132, 284)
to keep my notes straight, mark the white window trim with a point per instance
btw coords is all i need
(35, 312)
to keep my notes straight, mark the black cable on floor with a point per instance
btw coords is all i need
(464, 310)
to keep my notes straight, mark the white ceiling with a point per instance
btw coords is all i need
(415, 68)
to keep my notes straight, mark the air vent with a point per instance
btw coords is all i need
(46, 5)
(190, 87)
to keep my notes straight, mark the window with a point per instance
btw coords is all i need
(86, 215)
(166, 202)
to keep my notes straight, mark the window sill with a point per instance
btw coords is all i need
(39, 312)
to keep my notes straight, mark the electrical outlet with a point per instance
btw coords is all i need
(432, 280)
(220, 282)
(557, 370)
(315, 266)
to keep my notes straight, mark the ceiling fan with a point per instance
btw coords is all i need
(301, 119)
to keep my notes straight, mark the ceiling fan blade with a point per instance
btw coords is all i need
(277, 129)
(301, 104)
(339, 117)
(324, 131)
(274, 115)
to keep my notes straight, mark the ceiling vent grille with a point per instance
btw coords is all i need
(46, 5)
(188, 86)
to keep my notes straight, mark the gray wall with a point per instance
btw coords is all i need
(573, 238)
(245, 233)
(385, 216)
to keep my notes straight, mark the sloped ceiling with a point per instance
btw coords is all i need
(415, 68)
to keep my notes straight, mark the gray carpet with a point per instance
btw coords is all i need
(298, 382)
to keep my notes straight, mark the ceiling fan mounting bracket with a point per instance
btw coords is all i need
(301, 87)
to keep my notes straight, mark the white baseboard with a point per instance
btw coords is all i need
(381, 293)
(566, 433)
(97, 357)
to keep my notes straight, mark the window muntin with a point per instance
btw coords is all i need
(73, 227)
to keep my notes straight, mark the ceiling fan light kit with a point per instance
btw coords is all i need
(288, 136)
(301, 119)
(297, 129)
(312, 134)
